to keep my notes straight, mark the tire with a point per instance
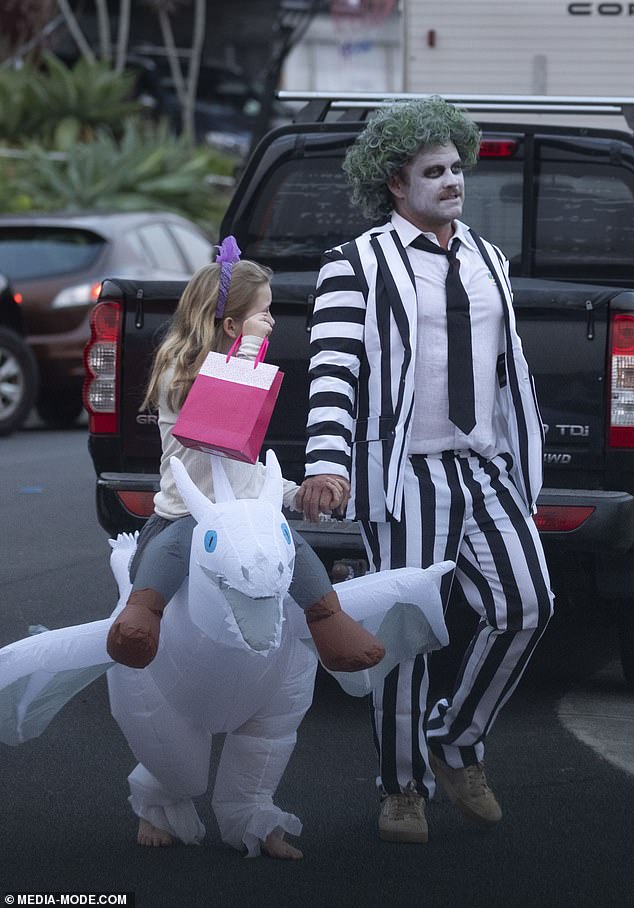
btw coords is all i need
(626, 640)
(60, 411)
(18, 381)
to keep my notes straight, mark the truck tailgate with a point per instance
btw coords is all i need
(564, 330)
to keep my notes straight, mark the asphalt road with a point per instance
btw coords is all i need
(566, 840)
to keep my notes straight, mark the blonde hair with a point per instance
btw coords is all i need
(194, 331)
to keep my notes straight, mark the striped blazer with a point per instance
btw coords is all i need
(362, 356)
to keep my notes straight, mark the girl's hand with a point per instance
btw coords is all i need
(258, 325)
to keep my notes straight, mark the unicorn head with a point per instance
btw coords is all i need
(244, 549)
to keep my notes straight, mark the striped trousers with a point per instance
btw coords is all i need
(462, 508)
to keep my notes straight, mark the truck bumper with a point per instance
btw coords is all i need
(125, 500)
(579, 519)
(584, 520)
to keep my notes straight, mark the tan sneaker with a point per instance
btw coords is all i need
(402, 817)
(467, 789)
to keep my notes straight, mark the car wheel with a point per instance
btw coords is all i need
(61, 410)
(18, 381)
(626, 640)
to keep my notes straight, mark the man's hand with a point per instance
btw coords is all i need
(322, 495)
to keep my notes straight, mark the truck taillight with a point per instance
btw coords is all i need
(498, 148)
(141, 504)
(100, 363)
(621, 430)
(561, 519)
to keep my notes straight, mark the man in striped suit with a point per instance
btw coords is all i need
(422, 408)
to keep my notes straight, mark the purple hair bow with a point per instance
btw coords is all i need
(228, 255)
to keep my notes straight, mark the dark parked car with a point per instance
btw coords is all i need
(57, 263)
(18, 371)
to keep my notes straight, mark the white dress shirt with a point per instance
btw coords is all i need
(432, 431)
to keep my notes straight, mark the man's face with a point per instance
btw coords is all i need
(429, 190)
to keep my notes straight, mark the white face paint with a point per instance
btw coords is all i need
(429, 190)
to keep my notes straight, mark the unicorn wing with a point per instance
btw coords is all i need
(40, 674)
(401, 607)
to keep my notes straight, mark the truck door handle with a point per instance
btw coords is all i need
(309, 311)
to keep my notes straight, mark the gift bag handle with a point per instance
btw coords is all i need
(260, 354)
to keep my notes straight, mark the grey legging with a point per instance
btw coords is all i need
(161, 561)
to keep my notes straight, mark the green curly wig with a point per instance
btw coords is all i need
(392, 137)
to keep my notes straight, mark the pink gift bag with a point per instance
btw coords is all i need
(229, 406)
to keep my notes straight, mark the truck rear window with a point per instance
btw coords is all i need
(304, 209)
(493, 204)
(32, 252)
(580, 224)
(584, 209)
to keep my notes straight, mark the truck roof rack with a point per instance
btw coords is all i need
(358, 104)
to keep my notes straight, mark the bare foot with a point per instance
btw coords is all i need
(152, 835)
(275, 846)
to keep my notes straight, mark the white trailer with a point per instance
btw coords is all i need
(555, 49)
(351, 53)
(518, 47)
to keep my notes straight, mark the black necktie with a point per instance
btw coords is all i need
(460, 354)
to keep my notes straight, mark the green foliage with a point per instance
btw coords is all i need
(17, 116)
(148, 168)
(11, 200)
(33, 102)
(72, 142)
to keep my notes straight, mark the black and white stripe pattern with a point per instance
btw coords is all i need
(465, 509)
(336, 343)
(363, 347)
(526, 430)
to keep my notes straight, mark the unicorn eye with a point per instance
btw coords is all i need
(286, 533)
(211, 540)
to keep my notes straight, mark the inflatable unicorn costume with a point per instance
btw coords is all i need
(235, 656)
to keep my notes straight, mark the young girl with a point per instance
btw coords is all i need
(221, 302)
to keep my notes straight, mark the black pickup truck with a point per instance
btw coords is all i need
(559, 199)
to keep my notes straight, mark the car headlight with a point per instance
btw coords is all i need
(81, 295)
